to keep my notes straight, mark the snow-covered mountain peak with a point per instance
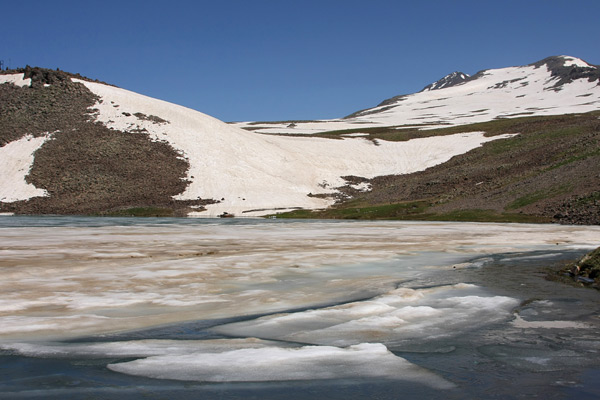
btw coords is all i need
(563, 61)
(555, 85)
(574, 61)
(452, 79)
(566, 70)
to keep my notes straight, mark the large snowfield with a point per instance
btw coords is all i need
(253, 174)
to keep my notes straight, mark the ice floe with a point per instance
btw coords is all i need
(392, 318)
(366, 360)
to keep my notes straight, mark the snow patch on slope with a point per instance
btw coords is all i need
(253, 174)
(16, 159)
(574, 61)
(15, 79)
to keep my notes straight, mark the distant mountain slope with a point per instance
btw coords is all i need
(74, 146)
(550, 172)
(553, 86)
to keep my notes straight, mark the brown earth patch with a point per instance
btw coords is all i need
(40, 109)
(85, 167)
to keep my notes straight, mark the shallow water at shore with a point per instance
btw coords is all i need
(112, 307)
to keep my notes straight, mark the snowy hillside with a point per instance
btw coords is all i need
(554, 86)
(242, 172)
(70, 145)
(252, 174)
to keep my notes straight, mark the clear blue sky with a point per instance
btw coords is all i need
(277, 59)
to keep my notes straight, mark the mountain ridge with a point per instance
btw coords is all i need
(564, 69)
(452, 79)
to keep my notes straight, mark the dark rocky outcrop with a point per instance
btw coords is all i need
(578, 210)
(568, 73)
(40, 76)
(584, 272)
(40, 109)
(449, 80)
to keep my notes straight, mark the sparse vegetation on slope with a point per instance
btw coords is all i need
(548, 173)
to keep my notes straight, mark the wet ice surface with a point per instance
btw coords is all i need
(367, 360)
(397, 317)
(230, 309)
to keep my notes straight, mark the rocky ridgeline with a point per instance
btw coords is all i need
(43, 107)
(568, 73)
(40, 76)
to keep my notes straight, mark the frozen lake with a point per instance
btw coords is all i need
(230, 308)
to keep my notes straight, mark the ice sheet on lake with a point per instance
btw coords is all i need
(239, 360)
(133, 348)
(66, 282)
(367, 360)
(391, 318)
(62, 282)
